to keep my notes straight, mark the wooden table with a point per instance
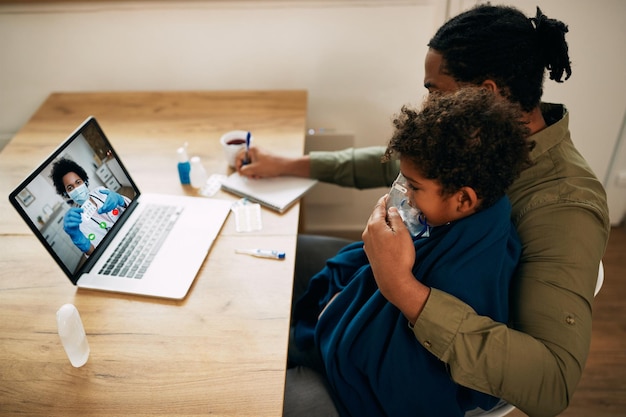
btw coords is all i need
(220, 351)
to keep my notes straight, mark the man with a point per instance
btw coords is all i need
(559, 210)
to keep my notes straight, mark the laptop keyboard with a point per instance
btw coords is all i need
(138, 248)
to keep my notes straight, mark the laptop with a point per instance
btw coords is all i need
(87, 211)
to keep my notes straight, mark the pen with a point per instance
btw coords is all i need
(247, 157)
(262, 253)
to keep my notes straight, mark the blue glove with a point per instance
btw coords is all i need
(71, 223)
(113, 201)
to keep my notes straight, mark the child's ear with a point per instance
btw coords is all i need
(467, 200)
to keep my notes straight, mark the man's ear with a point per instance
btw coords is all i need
(490, 85)
(467, 200)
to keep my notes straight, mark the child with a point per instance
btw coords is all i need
(458, 155)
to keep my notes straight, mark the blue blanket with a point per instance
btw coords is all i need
(374, 363)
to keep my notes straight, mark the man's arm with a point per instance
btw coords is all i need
(352, 167)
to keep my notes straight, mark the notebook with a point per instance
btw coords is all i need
(94, 249)
(277, 193)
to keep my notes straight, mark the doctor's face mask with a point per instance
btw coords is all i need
(80, 194)
(76, 188)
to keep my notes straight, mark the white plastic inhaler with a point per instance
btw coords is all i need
(72, 334)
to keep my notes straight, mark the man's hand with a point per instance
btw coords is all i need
(389, 248)
(264, 164)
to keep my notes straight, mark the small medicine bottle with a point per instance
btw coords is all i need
(72, 334)
(184, 167)
(198, 175)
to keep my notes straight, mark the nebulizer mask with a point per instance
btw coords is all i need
(412, 217)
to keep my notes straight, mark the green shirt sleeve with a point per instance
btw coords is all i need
(354, 167)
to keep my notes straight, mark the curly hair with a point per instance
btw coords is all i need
(466, 138)
(62, 167)
(502, 44)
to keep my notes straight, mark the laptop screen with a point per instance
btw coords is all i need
(76, 198)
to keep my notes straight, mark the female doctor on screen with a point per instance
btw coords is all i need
(92, 212)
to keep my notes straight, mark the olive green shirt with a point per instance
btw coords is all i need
(560, 211)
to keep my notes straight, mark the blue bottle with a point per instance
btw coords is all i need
(184, 167)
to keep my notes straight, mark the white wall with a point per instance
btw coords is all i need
(615, 179)
(360, 60)
(352, 58)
